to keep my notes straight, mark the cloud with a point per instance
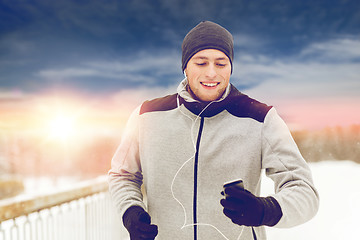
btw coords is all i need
(13, 46)
(151, 69)
(247, 42)
(332, 71)
(13, 95)
(339, 50)
(129, 99)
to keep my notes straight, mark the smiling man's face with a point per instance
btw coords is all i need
(208, 73)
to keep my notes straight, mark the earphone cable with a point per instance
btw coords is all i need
(178, 171)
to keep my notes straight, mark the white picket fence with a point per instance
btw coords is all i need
(83, 212)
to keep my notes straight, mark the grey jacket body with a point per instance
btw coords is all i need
(183, 154)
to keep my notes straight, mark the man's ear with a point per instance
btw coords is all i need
(185, 73)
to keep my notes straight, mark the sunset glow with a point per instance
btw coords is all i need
(62, 127)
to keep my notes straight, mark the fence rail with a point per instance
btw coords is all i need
(83, 212)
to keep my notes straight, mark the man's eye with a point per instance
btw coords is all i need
(201, 64)
(221, 65)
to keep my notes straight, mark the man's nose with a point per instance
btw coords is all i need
(211, 71)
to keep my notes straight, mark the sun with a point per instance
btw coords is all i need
(61, 127)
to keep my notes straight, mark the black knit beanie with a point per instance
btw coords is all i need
(207, 35)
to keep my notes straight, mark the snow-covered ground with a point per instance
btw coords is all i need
(45, 185)
(339, 212)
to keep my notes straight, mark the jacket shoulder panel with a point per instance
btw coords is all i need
(166, 103)
(242, 105)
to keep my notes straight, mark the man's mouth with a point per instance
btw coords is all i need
(210, 84)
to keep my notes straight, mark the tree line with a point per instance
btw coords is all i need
(336, 143)
(22, 156)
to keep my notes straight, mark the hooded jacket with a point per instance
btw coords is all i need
(183, 151)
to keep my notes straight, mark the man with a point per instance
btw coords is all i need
(184, 147)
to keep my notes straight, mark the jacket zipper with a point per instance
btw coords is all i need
(196, 163)
(196, 166)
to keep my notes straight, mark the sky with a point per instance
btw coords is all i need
(106, 57)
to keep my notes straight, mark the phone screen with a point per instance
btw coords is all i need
(238, 183)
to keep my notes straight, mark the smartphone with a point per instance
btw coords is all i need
(236, 183)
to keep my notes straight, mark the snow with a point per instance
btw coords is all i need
(41, 185)
(339, 210)
(337, 218)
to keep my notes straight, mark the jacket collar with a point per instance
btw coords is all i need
(197, 107)
(183, 92)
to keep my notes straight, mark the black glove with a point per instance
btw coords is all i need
(244, 208)
(137, 221)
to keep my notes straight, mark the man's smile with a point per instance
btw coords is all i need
(210, 84)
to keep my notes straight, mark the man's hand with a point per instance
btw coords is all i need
(138, 223)
(244, 208)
